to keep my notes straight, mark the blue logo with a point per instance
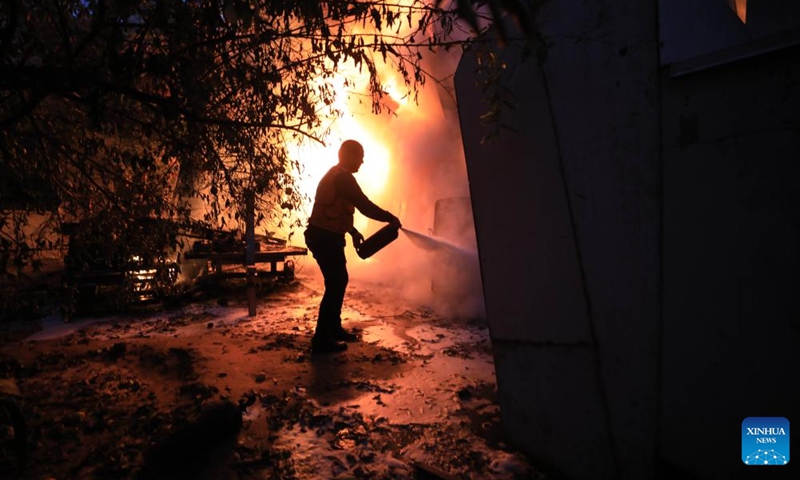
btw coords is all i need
(765, 441)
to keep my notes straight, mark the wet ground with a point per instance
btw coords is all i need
(206, 391)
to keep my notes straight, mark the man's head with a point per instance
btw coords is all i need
(351, 155)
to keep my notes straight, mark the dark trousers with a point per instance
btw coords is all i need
(328, 250)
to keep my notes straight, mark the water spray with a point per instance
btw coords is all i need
(389, 233)
(432, 244)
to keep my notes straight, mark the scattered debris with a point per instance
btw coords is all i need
(149, 397)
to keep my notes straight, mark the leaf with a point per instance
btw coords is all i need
(376, 18)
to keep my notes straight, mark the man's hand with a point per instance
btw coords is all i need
(358, 239)
(395, 222)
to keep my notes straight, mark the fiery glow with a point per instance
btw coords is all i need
(413, 158)
(412, 155)
(400, 98)
(357, 123)
(318, 159)
(740, 8)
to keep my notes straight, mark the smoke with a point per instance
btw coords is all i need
(428, 189)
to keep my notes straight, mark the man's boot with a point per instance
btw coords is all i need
(339, 333)
(326, 344)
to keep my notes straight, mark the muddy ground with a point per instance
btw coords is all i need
(205, 391)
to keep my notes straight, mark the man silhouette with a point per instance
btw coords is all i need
(338, 196)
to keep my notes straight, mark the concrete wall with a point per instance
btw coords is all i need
(567, 220)
(639, 239)
(731, 257)
(533, 291)
(769, 17)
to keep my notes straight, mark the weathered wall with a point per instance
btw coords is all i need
(567, 219)
(549, 392)
(731, 256)
(640, 239)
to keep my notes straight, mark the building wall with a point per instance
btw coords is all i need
(639, 238)
(534, 297)
(731, 139)
(567, 220)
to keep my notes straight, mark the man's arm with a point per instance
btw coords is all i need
(347, 187)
